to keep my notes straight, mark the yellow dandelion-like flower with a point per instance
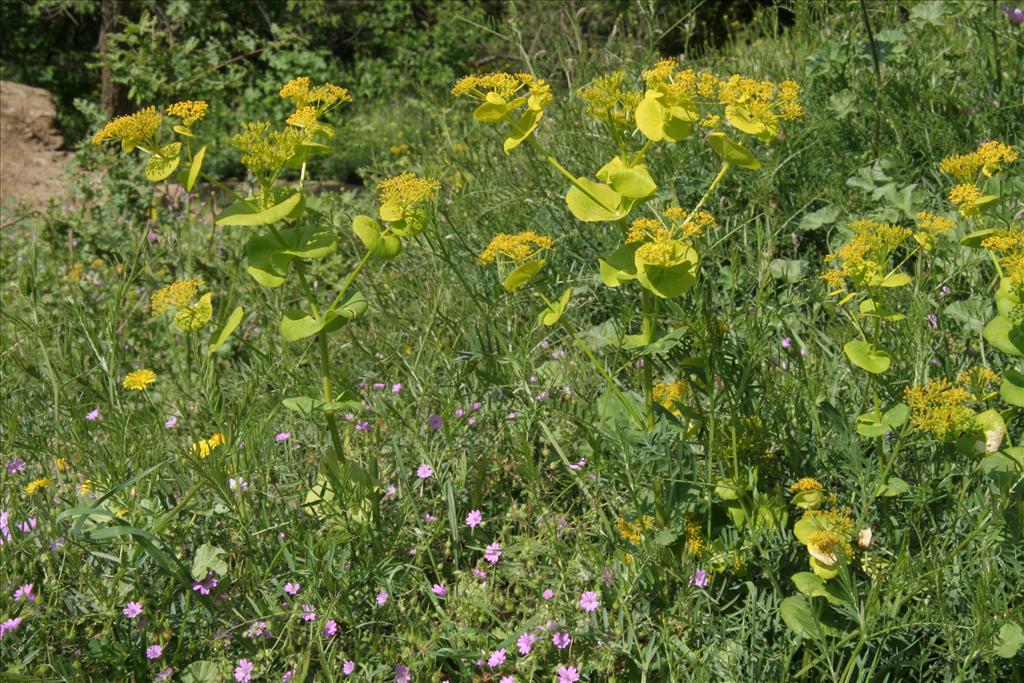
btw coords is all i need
(138, 380)
(632, 531)
(265, 151)
(178, 294)
(516, 248)
(132, 130)
(938, 407)
(407, 189)
(36, 484)
(994, 154)
(62, 465)
(85, 487)
(189, 111)
(661, 253)
(645, 228)
(978, 380)
(607, 101)
(204, 447)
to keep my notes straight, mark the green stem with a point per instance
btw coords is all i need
(217, 183)
(649, 312)
(572, 179)
(711, 188)
(350, 280)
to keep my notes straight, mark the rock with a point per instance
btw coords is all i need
(31, 158)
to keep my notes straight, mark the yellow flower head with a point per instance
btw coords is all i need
(203, 447)
(828, 547)
(62, 465)
(178, 294)
(516, 248)
(138, 380)
(407, 189)
(36, 484)
(695, 544)
(132, 130)
(643, 229)
(321, 97)
(938, 407)
(988, 158)
(265, 151)
(189, 111)
(669, 396)
(633, 531)
(607, 101)
(933, 223)
(806, 484)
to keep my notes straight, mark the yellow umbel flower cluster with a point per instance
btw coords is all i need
(517, 248)
(407, 190)
(690, 225)
(633, 531)
(178, 294)
(828, 546)
(806, 484)
(978, 380)
(608, 102)
(933, 223)
(668, 396)
(866, 256)
(320, 97)
(36, 484)
(263, 152)
(965, 196)
(989, 158)
(189, 111)
(506, 85)
(1009, 245)
(694, 534)
(138, 380)
(132, 130)
(938, 407)
(644, 229)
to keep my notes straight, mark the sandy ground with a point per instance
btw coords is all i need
(31, 158)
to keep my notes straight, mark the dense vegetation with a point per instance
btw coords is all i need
(349, 396)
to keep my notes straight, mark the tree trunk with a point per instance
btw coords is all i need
(113, 96)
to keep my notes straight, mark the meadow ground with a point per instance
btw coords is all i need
(655, 377)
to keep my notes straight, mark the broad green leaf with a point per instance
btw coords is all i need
(873, 424)
(208, 558)
(743, 119)
(789, 270)
(634, 182)
(806, 526)
(164, 162)
(672, 279)
(203, 671)
(867, 356)
(194, 317)
(620, 265)
(974, 239)
(1006, 300)
(825, 571)
(522, 129)
(650, 118)
(302, 404)
(268, 264)
(194, 168)
(522, 275)
(1012, 387)
(896, 280)
(353, 306)
(553, 313)
(182, 130)
(229, 326)
(870, 308)
(494, 109)
(594, 202)
(813, 586)
(368, 231)
(1005, 336)
(797, 612)
(892, 487)
(247, 212)
(309, 241)
(296, 325)
(391, 211)
(1010, 640)
(732, 152)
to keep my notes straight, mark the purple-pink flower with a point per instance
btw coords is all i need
(308, 613)
(424, 471)
(330, 628)
(395, 388)
(287, 675)
(493, 552)
(93, 414)
(382, 598)
(440, 590)
(9, 626)
(132, 610)
(699, 579)
(283, 436)
(429, 517)
(206, 585)
(172, 422)
(28, 525)
(24, 593)
(496, 659)
(348, 667)
(402, 674)
(154, 651)
(561, 640)
(435, 421)
(480, 573)
(243, 672)
(567, 674)
(474, 518)
(507, 679)
(525, 643)
(15, 465)
(589, 601)
(547, 594)
(291, 588)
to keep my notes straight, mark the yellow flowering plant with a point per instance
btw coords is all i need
(284, 234)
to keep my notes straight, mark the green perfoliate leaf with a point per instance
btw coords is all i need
(873, 424)
(895, 280)
(867, 356)
(814, 586)
(743, 119)
(391, 211)
(494, 109)
(553, 312)
(620, 265)
(732, 152)
(797, 612)
(283, 203)
(1001, 333)
(974, 239)
(594, 202)
(671, 279)
(268, 262)
(1012, 388)
(522, 275)
(309, 241)
(634, 182)
(522, 129)
(230, 326)
(296, 325)
(194, 168)
(164, 162)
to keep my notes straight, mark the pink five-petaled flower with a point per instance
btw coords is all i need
(395, 388)
(439, 590)
(424, 471)
(348, 667)
(93, 414)
(525, 643)
(292, 588)
(283, 436)
(330, 628)
(474, 518)
(24, 593)
(589, 601)
(382, 598)
(287, 675)
(699, 579)
(171, 423)
(9, 626)
(507, 679)
(154, 651)
(547, 594)
(493, 552)
(206, 585)
(243, 672)
(429, 517)
(479, 573)
(561, 640)
(132, 610)
(402, 674)
(496, 659)
(308, 613)
(568, 674)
